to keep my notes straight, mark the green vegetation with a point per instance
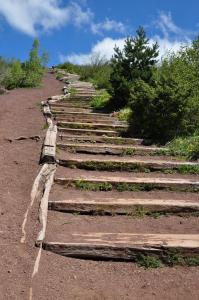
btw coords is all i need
(170, 258)
(159, 100)
(125, 114)
(120, 187)
(15, 74)
(96, 71)
(100, 100)
(148, 262)
(84, 185)
(132, 167)
(187, 146)
(135, 62)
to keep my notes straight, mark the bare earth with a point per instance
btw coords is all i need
(61, 277)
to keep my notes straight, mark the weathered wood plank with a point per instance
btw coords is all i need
(49, 146)
(124, 205)
(131, 164)
(43, 209)
(134, 183)
(123, 246)
(101, 139)
(110, 149)
(92, 125)
(88, 131)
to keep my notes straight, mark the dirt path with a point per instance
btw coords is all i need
(19, 116)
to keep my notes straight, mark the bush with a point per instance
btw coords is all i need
(187, 146)
(136, 61)
(125, 114)
(168, 107)
(96, 71)
(15, 76)
(100, 101)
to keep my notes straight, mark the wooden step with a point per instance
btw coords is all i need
(103, 182)
(88, 131)
(125, 205)
(123, 246)
(70, 108)
(91, 125)
(100, 139)
(128, 164)
(111, 149)
(91, 115)
(67, 105)
(76, 119)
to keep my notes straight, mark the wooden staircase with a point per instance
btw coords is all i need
(101, 173)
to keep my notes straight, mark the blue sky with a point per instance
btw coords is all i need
(76, 30)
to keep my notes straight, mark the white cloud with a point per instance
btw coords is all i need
(33, 16)
(108, 25)
(106, 46)
(169, 29)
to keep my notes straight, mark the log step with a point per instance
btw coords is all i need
(88, 131)
(125, 206)
(91, 125)
(103, 182)
(92, 115)
(73, 109)
(101, 139)
(128, 164)
(67, 105)
(79, 119)
(123, 246)
(111, 149)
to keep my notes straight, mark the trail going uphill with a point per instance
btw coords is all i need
(112, 200)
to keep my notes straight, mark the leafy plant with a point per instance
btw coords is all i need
(100, 100)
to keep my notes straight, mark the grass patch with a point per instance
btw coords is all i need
(72, 92)
(170, 258)
(83, 185)
(45, 126)
(100, 101)
(187, 147)
(120, 187)
(128, 151)
(130, 167)
(125, 114)
(148, 262)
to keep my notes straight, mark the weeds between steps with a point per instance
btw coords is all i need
(170, 258)
(130, 167)
(120, 187)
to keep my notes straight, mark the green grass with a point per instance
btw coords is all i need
(120, 187)
(132, 167)
(100, 101)
(46, 126)
(73, 92)
(170, 258)
(148, 262)
(83, 185)
(124, 114)
(187, 147)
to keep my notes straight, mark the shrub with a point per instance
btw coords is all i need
(125, 114)
(135, 61)
(100, 101)
(187, 146)
(96, 71)
(15, 76)
(168, 107)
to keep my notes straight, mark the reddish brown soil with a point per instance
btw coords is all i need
(59, 277)
(19, 116)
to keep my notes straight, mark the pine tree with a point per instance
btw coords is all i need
(135, 61)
